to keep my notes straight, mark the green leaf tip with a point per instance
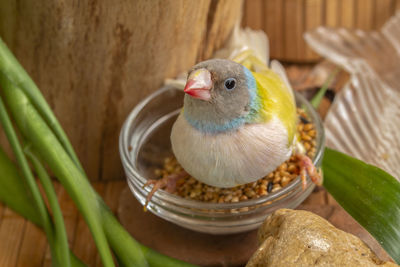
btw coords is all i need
(370, 195)
(316, 101)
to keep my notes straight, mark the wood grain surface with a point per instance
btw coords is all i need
(285, 21)
(23, 244)
(95, 60)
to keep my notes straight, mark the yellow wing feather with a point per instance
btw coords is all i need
(276, 100)
(276, 97)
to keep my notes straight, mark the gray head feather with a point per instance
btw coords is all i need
(224, 105)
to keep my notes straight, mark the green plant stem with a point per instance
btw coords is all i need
(35, 129)
(23, 163)
(15, 73)
(14, 78)
(16, 195)
(120, 240)
(117, 235)
(370, 195)
(127, 249)
(156, 259)
(316, 101)
(61, 239)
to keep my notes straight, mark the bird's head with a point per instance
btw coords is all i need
(218, 96)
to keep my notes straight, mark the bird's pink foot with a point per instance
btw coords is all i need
(307, 167)
(168, 183)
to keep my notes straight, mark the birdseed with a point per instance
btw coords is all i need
(190, 188)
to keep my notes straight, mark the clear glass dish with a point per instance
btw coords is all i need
(144, 143)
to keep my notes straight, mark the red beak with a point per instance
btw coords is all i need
(199, 84)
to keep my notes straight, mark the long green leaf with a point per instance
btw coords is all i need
(15, 73)
(14, 192)
(318, 97)
(60, 234)
(35, 129)
(368, 194)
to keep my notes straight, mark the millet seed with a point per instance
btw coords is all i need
(190, 188)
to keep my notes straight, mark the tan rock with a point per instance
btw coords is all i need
(301, 238)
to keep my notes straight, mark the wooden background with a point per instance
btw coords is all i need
(285, 21)
(95, 60)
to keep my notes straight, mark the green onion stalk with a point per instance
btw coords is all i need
(15, 193)
(36, 131)
(39, 127)
(56, 238)
(60, 233)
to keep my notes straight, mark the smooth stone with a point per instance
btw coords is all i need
(302, 238)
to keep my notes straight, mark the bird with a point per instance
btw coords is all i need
(237, 124)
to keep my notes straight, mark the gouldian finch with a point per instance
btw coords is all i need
(238, 123)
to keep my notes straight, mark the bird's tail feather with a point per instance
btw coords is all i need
(251, 49)
(245, 39)
(277, 67)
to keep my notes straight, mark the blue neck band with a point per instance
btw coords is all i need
(233, 124)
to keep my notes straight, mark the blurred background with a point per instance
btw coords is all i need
(285, 21)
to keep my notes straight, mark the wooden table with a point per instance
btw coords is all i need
(23, 244)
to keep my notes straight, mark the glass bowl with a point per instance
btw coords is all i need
(145, 142)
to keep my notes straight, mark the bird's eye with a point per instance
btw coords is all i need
(230, 84)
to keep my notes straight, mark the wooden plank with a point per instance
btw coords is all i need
(332, 13)
(83, 245)
(313, 17)
(33, 247)
(70, 214)
(244, 15)
(34, 238)
(397, 4)
(12, 230)
(347, 11)
(254, 14)
(112, 193)
(293, 29)
(111, 196)
(273, 25)
(383, 11)
(364, 16)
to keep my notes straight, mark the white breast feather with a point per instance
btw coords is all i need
(233, 158)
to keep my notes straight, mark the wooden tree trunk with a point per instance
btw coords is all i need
(95, 60)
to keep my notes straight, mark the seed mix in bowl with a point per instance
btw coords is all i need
(190, 188)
